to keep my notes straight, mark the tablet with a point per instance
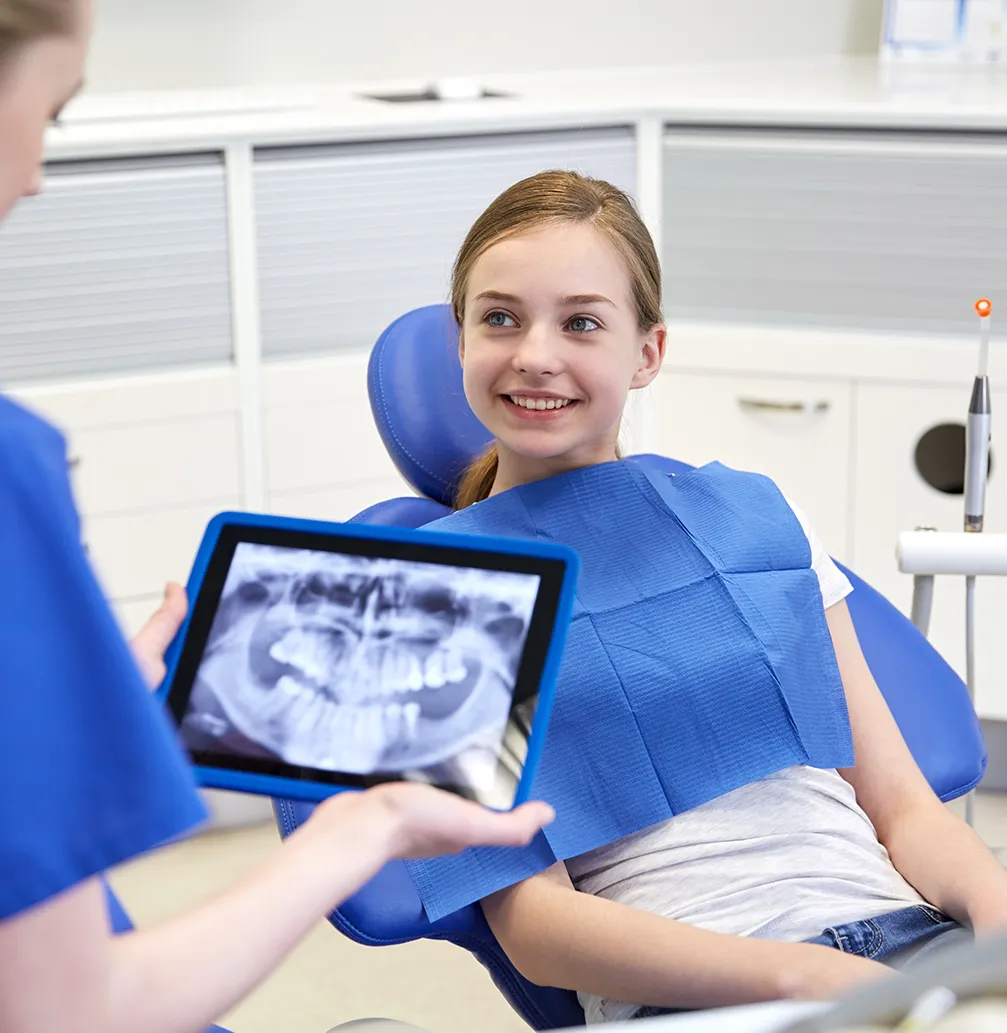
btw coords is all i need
(320, 657)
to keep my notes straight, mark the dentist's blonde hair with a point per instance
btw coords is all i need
(22, 21)
(556, 197)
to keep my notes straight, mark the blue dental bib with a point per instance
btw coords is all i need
(698, 659)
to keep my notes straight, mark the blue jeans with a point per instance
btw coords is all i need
(899, 939)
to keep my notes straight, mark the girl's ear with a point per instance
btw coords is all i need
(651, 356)
(461, 348)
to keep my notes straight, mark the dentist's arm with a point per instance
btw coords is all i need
(61, 969)
(556, 936)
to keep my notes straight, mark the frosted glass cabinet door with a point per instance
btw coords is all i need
(116, 267)
(866, 230)
(891, 495)
(352, 236)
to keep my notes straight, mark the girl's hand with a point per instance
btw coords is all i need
(816, 972)
(419, 821)
(155, 636)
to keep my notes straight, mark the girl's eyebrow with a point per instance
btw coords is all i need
(573, 299)
(588, 299)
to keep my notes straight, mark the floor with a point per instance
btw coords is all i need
(328, 979)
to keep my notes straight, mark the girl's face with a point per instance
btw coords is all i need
(551, 347)
(35, 83)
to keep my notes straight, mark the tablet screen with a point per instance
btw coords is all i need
(357, 661)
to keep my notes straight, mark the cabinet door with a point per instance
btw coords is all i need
(892, 496)
(324, 457)
(153, 458)
(352, 236)
(865, 230)
(795, 431)
(136, 553)
(341, 502)
(116, 267)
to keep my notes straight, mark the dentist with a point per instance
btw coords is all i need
(90, 774)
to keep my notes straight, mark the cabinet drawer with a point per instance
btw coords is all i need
(892, 496)
(795, 431)
(154, 465)
(114, 402)
(136, 553)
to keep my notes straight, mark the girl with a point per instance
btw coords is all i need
(743, 898)
(89, 773)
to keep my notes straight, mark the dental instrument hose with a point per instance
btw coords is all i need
(977, 454)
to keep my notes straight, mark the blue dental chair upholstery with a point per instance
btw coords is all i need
(415, 387)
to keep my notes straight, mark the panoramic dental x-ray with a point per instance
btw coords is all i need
(361, 665)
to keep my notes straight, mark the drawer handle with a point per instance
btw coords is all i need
(764, 405)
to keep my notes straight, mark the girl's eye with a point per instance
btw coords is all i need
(583, 324)
(499, 319)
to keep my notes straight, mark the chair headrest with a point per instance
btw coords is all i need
(414, 380)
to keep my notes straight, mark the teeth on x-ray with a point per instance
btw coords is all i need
(364, 665)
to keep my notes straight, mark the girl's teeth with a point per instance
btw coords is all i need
(540, 403)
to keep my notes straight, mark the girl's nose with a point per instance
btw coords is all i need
(536, 354)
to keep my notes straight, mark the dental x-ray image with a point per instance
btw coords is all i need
(361, 665)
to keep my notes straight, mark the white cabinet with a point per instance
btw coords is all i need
(890, 496)
(135, 553)
(795, 431)
(153, 458)
(157, 464)
(351, 236)
(324, 457)
(341, 502)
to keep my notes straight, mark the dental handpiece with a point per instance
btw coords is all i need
(977, 429)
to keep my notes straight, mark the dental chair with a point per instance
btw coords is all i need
(415, 387)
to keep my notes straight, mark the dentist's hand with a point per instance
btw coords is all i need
(419, 821)
(155, 636)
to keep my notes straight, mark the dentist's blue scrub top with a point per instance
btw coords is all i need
(90, 771)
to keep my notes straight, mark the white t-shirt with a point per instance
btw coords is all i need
(780, 858)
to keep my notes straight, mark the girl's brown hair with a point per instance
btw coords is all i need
(556, 197)
(22, 21)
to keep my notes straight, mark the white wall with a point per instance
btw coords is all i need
(143, 44)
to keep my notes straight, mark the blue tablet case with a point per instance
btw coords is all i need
(271, 785)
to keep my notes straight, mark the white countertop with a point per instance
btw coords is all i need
(835, 92)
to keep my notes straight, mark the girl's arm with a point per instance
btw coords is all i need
(556, 936)
(932, 848)
(60, 968)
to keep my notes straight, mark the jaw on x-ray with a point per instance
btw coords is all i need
(361, 665)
